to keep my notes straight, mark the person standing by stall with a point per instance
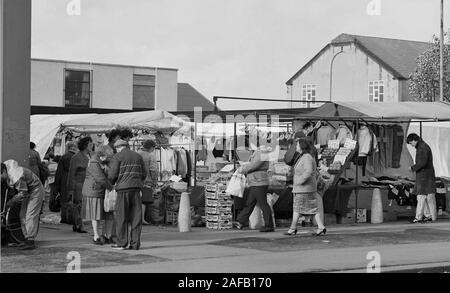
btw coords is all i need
(425, 180)
(304, 189)
(31, 195)
(94, 188)
(34, 160)
(128, 173)
(258, 182)
(151, 165)
(75, 181)
(60, 185)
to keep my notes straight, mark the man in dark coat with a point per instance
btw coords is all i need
(128, 173)
(425, 180)
(60, 185)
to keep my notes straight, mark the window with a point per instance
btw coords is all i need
(144, 91)
(309, 94)
(77, 90)
(376, 91)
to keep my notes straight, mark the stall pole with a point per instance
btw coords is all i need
(235, 146)
(420, 129)
(234, 162)
(357, 176)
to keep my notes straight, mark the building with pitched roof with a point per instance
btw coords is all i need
(358, 68)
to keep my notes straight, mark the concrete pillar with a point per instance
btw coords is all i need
(15, 62)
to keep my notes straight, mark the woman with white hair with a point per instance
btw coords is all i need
(31, 195)
(94, 187)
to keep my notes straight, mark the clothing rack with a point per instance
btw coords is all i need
(159, 146)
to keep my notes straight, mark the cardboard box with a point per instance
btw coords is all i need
(349, 218)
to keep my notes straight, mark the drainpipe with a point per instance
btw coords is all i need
(331, 70)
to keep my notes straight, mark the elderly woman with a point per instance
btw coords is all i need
(75, 180)
(94, 191)
(30, 194)
(305, 189)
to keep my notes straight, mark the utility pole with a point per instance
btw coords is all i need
(441, 82)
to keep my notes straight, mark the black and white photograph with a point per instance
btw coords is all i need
(225, 144)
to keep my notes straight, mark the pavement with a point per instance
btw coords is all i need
(396, 246)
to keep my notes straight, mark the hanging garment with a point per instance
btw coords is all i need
(324, 134)
(397, 146)
(364, 141)
(342, 133)
(181, 163)
(188, 164)
(389, 145)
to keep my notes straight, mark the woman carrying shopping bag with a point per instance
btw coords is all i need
(94, 188)
(258, 182)
(305, 189)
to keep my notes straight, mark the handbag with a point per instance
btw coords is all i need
(236, 186)
(110, 201)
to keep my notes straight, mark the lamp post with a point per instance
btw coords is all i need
(441, 77)
(331, 70)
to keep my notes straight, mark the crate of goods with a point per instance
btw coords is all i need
(335, 168)
(212, 225)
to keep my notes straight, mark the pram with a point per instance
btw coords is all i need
(10, 223)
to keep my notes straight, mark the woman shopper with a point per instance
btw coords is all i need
(150, 183)
(305, 189)
(77, 175)
(258, 182)
(94, 188)
(31, 195)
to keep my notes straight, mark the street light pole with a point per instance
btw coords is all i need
(331, 71)
(441, 82)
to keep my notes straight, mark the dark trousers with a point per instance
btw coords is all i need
(128, 211)
(256, 195)
(76, 214)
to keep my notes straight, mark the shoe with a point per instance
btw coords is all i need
(98, 241)
(28, 245)
(78, 230)
(264, 230)
(427, 220)
(145, 223)
(291, 232)
(415, 221)
(133, 248)
(322, 232)
(118, 247)
(238, 226)
(107, 240)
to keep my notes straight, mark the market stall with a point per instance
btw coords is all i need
(382, 160)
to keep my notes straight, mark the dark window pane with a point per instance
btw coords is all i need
(143, 97)
(77, 88)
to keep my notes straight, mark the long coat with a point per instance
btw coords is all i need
(425, 177)
(77, 175)
(62, 173)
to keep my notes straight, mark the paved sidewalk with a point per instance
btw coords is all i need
(165, 250)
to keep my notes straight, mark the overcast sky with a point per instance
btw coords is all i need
(246, 48)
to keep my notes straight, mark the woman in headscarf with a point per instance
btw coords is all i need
(31, 195)
(94, 188)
